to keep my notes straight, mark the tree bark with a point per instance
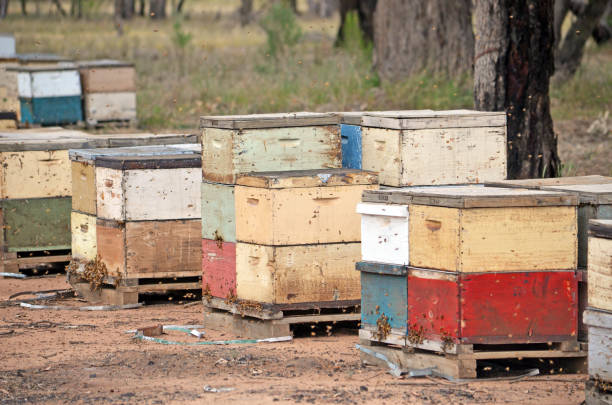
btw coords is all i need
(245, 11)
(24, 11)
(58, 5)
(562, 7)
(411, 36)
(157, 9)
(179, 6)
(3, 8)
(365, 11)
(570, 54)
(512, 69)
(124, 9)
(602, 33)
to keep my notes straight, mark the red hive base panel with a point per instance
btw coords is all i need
(493, 308)
(218, 268)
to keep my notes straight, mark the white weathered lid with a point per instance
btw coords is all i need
(102, 63)
(90, 155)
(428, 119)
(386, 210)
(50, 138)
(253, 121)
(587, 193)
(7, 46)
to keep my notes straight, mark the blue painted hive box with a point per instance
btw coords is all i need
(350, 132)
(49, 95)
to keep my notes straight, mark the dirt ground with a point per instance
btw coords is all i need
(583, 153)
(59, 356)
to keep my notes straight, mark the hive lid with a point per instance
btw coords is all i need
(49, 138)
(91, 155)
(601, 228)
(43, 68)
(551, 181)
(354, 117)
(382, 268)
(297, 119)
(587, 193)
(103, 63)
(307, 178)
(428, 119)
(141, 139)
(471, 196)
(171, 161)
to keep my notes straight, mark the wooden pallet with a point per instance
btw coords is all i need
(468, 359)
(595, 394)
(131, 291)
(15, 262)
(93, 124)
(261, 321)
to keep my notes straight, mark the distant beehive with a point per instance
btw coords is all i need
(9, 100)
(413, 148)
(109, 90)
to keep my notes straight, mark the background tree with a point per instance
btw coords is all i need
(411, 36)
(365, 11)
(3, 8)
(157, 9)
(512, 70)
(124, 9)
(245, 12)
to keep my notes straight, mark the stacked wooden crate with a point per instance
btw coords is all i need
(136, 220)
(598, 316)
(409, 148)
(109, 91)
(49, 95)
(9, 100)
(595, 202)
(35, 195)
(460, 269)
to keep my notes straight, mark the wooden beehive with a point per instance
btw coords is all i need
(600, 344)
(218, 212)
(600, 265)
(432, 148)
(487, 229)
(49, 95)
(298, 235)
(384, 233)
(9, 99)
(7, 46)
(109, 90)
(268, 142)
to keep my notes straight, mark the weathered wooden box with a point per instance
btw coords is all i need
(384, 233)
(600, 265)
(268, 142)
(49, 95)
(487, 229)
(350, 133)
(218, 268)
(600, 344)
(7, 46)
(444, 309)
(432, 148)
(134, 188)
(218, 212)
(300, 207)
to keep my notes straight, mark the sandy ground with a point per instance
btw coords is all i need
(582, 153)
(56, 356)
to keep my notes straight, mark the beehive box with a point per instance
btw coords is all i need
(49, 95)
(9, 100)
(440, 309)
(7, 46)
(109, 90)
(298, 235)
(268, 142)
(433, 148)
(600, 265)
(600, 344)
(384, 233)
(487, 229)
(84, 195)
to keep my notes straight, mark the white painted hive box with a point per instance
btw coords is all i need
(600, 343)
(34, 82)
(384, 233)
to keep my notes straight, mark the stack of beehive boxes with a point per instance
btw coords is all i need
(595, 199)
(109, 91)
(485, 266)
(9, 100)
(598, 317)
(242, 144)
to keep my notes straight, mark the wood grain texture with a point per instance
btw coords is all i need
(83, 187)
(298, 216)
(84, 239)
(275, 120)
(307, 178)
(218, 212)
(155, 248)
(384, 233)
(218, 268)
(35, 174)
(587, 193)
(428, 119)
(381, 153)
(226, 153)
(600, 273)
(294, 274)
(110, 195)
(108, 79)
(551, 181)
(602, 227)
(600, 344)
(110, 239)
(36, 224)
(110, 106)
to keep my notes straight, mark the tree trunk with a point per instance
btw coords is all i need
(562, 7)
(365, 10)
(411, 36)
(602, 33)
(513, 65)
(24, 11)
(323, 8)
(179, 6)
(245, 11)
(58, 5)
(76, 8)
(3, 8)
(157, 8)
(569, 55)
(124, 9)
(141, 8)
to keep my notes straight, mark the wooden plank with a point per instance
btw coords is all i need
(307, 178)
(516, 239)
(110, 238)
(51, 110)
(163, 247)
(551, 181)
(294, 274)
(381, 151)
(36, 224)
(143, 162)
(47, 139)
(83, 187)
(162, 287)
(384, 233)
(292, 320)
(108, 79)
(244, 326)
(298, 216)
(84, 239)
(110, 106)
(91, 155)
(600, 273)
(600, 344)
(218, 212)
(123, 140)
(428, 119)
(351, 145)
(382, 268)
(226, 153)
(27, 262)
(35, 174)
(371, 336)
(586, 212)
(601, 228)
(110, 193)
(384, 295)
(588, 193)
(258, 121)
(218, 268)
